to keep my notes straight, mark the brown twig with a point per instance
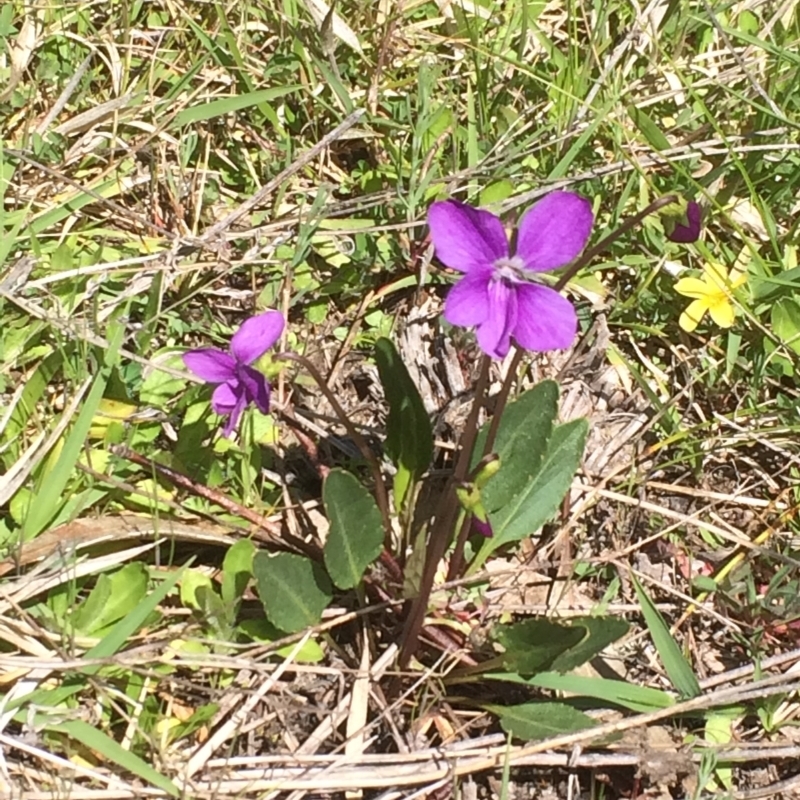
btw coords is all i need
(274, 533)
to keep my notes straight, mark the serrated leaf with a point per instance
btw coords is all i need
(534, 721)
(355, 537)
(678, 669)
(293, 590)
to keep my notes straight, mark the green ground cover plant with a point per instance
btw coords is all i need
(399, 397)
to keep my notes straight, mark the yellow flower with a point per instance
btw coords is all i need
(710, 293)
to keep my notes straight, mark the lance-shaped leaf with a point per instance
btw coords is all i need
(529, 488)
(356, 528)
(409, 437)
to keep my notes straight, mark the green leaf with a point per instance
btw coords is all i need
(261, 630)
(598, 633)
(561, 645)
(112, 598)
(519, 514)
(521, 442)
(534, 721)
(123, 630)
(293, 590)
(647, 126)
(785, 316)
(641, 699)
(678, 669)
(237, 569)
(355, 538)
(228, 105)
(533, 644)
(91, 737)
(409, 436)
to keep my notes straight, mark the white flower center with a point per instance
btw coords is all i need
(509, 270)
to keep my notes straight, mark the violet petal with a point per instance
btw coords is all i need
(690, 232)
(233, 417)
(554, 231)
(481, 527)
(226, 396)
(256, 336)
(211, 364)
(494, 334)
(256, 388)
(467, 303)
(465, 237)
(545, 319)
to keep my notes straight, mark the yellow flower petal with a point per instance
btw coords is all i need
(722, 313)
(692, 287)
(716, 276)
(693, 314)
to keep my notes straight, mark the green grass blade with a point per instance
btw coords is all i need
(101, 743)
(678, 669)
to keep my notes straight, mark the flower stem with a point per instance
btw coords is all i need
(444, 521)
(381, 496)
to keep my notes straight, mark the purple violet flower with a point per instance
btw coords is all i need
(239, 383)
(497, 294)
(687, 229)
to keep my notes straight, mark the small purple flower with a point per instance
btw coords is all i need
(239, 384)
(483, 527)
(497, 294)
(687, 229)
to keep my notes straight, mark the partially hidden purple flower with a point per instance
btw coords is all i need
(483, 527)
(498, 295)
(686, 229)
(239, 383)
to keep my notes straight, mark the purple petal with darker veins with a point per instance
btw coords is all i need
(256, 388)
(256, 336)
(554, 231)
(226, 396)
(464, 237)
(211, 364)
(494, 333)
(545, 319)
(467, 302)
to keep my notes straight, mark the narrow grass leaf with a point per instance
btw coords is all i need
(228, 105)
(356, 528)
(48, 497)
(293, 590)
(677, 667)
(536, 721)
(103, 744)
(641, 699)
(648, 128)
